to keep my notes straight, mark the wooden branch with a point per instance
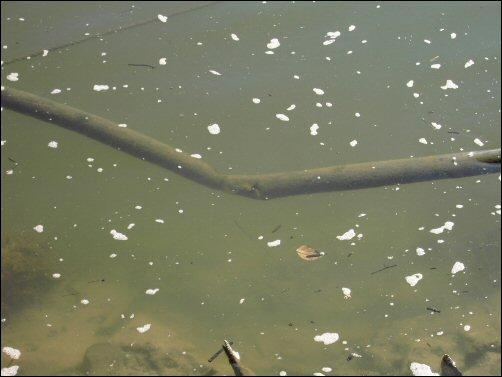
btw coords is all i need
(258, 186)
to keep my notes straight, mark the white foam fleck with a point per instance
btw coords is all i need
(196, 155)
(100, 87)
(410, 83)
(163, 61)
(313, 129)
(437, 126)
(56, 91)
(53, 144)
(422, 140)
(449, 85)
(467, 327)
(436, 66)
(13, 353)
(118, 236)
(84, 301)
(160, 221)
(457, 267)
(346, 292)
(256, 100)
(327, 338)
(478, 142)
(468, 63)
(214, 129)
(274, 243)
(352, 27)
(427, 41)
(122, 125)
(453, 35)
(418, 369)
(162, 18)
(420, 251)
(241, 301)
(56, 275)
(274, 43)
(326, 369)
(39, 228)
(348, 235)
(45, 53)
(10, 371)
(14, 76)
(234, 37)
(151, 291)
(318, 91)
(282, 117)
(353, 143)
(215, 72)
(413, 279)
(144, 328)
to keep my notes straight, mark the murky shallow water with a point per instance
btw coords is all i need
(207, 258)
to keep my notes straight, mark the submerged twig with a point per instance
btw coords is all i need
(382, 269)
(141, 65)
(256, 186)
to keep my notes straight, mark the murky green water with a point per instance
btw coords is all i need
(216, 279)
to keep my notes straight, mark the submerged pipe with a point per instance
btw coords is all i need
(256, 186)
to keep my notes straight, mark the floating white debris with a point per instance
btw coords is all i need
(152, 291)
(436, 66)
(39, 228)
(422, 140)
(467, 327)
(447, 225)
(56, 91)
(241, 301)
(214, 129)
(122, 125)
(333, 34)
(478, 142)
(449, 85)
(14, 76)
(453, 35)
(162, 18)
(313, 129)
(283, 373)
(13, 353)
(10, 371)
(468, 63)
(274, 243)
(420, 251)
(53, 144)
(409, 84)
(457, 267)
(118, 236)
(163, 61)
(437, 126)
(144, 328)
(348, 235)
(346, 293)
(99, 87)
(113, 255)
(234, 37)
(56, 275)
(256, 100)
(318, 91)
(418, 369)
(160, 221)
(196, 155)
(353, 143)
(427, 41)
(84, 301)
(274, 43)
(413, 279)
(215, 72)
(282, 117)
(326, 369)
(352, 27)
(45, 53)
(292, 107)
(327, 338)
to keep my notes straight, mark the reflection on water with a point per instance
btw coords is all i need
(291, 86)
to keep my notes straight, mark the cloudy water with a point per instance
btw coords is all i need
(114, 265)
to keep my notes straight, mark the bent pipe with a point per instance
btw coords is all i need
(256, 186)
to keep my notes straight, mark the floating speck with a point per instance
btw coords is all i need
(118, 236)
(414, 279)
(14, 76)
(313, 129)
(163, 61)
(56, 91)
(282, 117)
(214, 129)
(348, 235)
(449, 85)
(353, 143)
(274, 43)
(457, 267)
(99, 87)
(318, 91)
(352, 27)
(39, 228)
(53, 144)
(409, 84)
(274, 243)
(256, 100)
(144, 328)
(151, 291)
(162, 18)
(478, 142)
(327, 338)
(234, 37)
(215, 72)
(468, 63)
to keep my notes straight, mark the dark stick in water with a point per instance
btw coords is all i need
(141, 65)
(217, 353)
(382, 269)
(277, 228)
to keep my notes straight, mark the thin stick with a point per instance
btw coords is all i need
(382, 269)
